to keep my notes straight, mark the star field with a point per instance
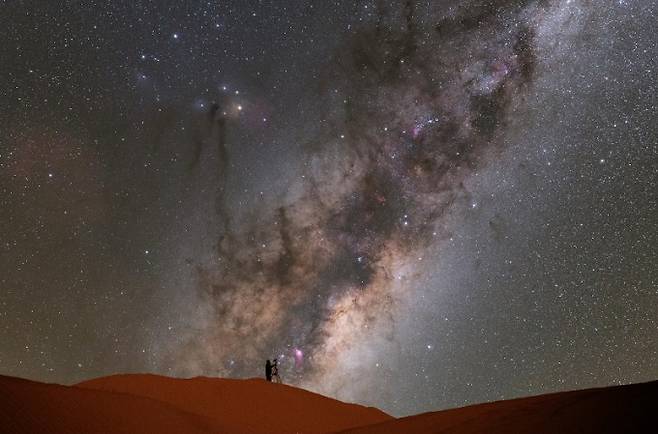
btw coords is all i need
(414, 205)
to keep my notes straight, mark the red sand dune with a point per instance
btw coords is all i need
(619, 409)
(151, 404)
(246, 406)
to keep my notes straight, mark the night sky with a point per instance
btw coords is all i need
(414, 205)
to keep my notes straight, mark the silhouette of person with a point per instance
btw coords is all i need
(275, 371)
(268, 370)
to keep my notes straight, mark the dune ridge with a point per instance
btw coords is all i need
(615, 409)
(145, 403)
(251, 406)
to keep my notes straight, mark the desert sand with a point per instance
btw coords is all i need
(619, 409)
(153, 404)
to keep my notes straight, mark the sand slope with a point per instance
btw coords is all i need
(245, 406)
(37, 408)
(620, 409)
(155, 404)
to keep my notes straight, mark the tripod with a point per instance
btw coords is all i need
(275, 372)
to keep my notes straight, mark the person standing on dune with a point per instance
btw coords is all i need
(268, 370)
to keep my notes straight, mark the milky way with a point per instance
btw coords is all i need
(424, 106)
(414, 205)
